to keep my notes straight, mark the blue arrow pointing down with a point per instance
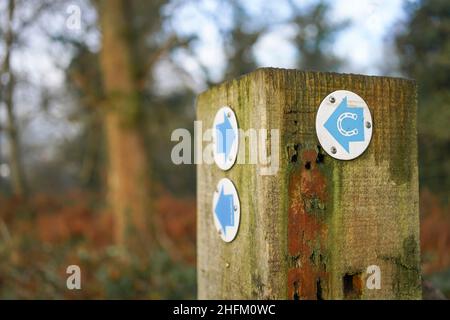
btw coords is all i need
(346, 124)
(224, 210)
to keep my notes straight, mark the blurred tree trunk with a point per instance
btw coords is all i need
(128, 172)
(17, 173)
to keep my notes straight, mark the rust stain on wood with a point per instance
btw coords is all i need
(307, 230)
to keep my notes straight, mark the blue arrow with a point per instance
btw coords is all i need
(225, 136)
(224, 210)
(346, 124)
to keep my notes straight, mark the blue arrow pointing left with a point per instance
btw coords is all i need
(346, 124)
(224, 210)
(225, 136)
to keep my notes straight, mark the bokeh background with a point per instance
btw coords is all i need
(90, 92)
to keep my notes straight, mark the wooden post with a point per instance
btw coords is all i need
(312, 230)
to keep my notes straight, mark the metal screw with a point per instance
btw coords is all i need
(228, 114)
(332, 99)
(333, 150)
(235, 208)
(368, 125)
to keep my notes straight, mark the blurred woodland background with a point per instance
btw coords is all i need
(90, 92)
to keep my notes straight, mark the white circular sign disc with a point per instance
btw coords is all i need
(226, 210)
(344, 125)
(225, 136)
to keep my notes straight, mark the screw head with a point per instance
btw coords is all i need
(332, 99)
(368, 125)
(228, 114)
(333, 150)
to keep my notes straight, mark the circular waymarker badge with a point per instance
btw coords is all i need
(226, 210)
(344, 125)
(225, 136)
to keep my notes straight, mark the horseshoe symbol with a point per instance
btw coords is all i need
(341, 118)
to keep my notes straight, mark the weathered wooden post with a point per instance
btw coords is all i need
(319, 227)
